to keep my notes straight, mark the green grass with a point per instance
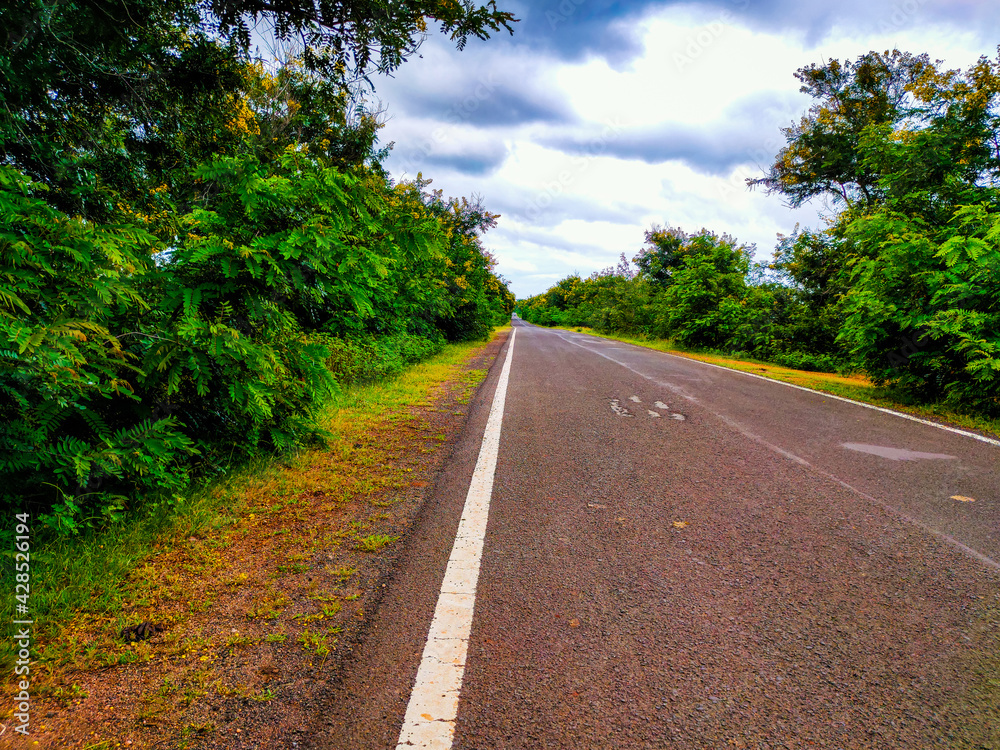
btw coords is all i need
(375, 542)
(317, 642)
(81, 582)
(856, 387)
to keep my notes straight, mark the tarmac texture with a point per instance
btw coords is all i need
(679, 556)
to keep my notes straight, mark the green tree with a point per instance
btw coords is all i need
(192, 243)
(359, 34)
(923, 311)
(813, 276)
(476, 299)
(114, 104)
(822, 156)
(662, 255)
(66, 369)
(703, 305)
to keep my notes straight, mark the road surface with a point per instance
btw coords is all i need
(681, 556)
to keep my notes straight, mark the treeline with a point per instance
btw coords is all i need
(196, 248)
(703, 291)
(904, 282)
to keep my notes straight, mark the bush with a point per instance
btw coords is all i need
(808, 361)
(122, 359)
(363, 361)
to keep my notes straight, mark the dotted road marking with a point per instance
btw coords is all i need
(893, 412)
(881, 503)
(433, 708)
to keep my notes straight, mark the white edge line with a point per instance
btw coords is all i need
(947, 538)
(433, 708)
(904, 415)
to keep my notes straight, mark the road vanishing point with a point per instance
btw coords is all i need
(629, 549)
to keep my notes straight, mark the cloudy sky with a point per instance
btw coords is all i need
(598, 119)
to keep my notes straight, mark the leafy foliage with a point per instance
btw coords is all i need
(66, 375)
(823, 157)
(197, 249)
(924, 309)
(351, 33)
(903, 283)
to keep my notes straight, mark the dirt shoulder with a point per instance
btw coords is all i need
(257, 613)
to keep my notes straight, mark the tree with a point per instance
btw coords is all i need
(822, 157)
(662, 254)
(911, 151)
(189, 237)
(113, 104)
(923, 311)
(358, 33)
(702, 307)
(812, 276)
(476, 299)
(889, 121)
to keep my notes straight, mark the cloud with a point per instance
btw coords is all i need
(490, 87)
(490, 104)
(597, 118)
(818, 20)
(745, 134)
(475, 164)
(463, 152)
(573, 30)
(557, 208)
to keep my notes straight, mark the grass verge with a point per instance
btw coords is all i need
(99, 582)
(856, 387)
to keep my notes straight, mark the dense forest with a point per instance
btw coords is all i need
(197, 245)
(903, 283)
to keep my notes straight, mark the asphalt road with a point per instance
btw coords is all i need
(755, 566)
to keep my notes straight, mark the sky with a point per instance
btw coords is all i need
(596, 120)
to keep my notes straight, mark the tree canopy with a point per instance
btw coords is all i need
(197, 247)
(904, 281)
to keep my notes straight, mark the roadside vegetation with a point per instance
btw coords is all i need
(903, 284)
(273, 564)
(205, 273)
(200, 247)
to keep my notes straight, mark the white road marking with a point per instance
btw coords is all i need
(895, 454)
(618, 409)
(985, 559)
(433, 708)
(652, 413)
(636, 399)
(661, 405)
(964, 433)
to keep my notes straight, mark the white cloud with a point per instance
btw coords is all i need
(582, 156)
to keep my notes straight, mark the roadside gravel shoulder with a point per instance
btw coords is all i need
(259, 616)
